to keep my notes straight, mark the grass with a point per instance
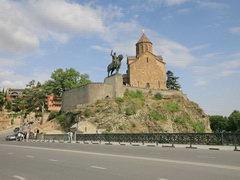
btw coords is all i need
(133, 94)
(158, 96)
(171, 106)
(198, 127)
(87, 113)
(119, 100)
(180, 120)
(156, 116)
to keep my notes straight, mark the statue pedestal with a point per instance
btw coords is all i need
(116, 81)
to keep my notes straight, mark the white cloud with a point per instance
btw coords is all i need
(217, 71)
(100, 48)
(231, 64)
(24, 24)
(214, 5)
(169, 2)
(235, 30)
(175, 54)
(4, 62)
(201, 82)
(12, 84)
(184, 10)
(226, 73)
(199, 47)
(167, 17)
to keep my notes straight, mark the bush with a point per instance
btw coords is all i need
(87, 113)
(109, 129)
(198, 127)
(119, 100)
(122, 127)
(52, 115)
(158, 96)
(171, 106)
(66, 120)
(133, 94)
(179, 120)
(130, 111)
(155, 115)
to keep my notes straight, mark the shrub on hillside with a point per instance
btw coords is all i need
(158, 96)
(119, 100)
(157, 116)
(66, 120)
(171, 106)
(180, 120)
(198, 127)
(53, 115)
(133, 94)
(87, 113)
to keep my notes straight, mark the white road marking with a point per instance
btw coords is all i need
(29, 156)
(19, 177)
(97, 167)
(190, 163)
(208, 157)
(162, 179)
(53, 160)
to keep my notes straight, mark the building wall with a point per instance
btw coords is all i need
(86, 94)
(147, 72)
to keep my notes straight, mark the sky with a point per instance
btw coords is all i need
(198, 39)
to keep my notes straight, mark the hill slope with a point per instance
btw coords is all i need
(137, 112)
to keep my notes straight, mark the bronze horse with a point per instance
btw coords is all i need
(115, 65)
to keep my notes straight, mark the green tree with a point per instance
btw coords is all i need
(33, 100)
(65, 80)
(172, 82)
(234, 121)
(2, 99)
(218, 123)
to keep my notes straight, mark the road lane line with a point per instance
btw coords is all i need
(190, 163)
(53, 160)
(29, 156)
(19, 177)
(208, 157)
(98, 167)
(162, 179)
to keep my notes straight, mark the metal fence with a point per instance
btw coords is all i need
(161, 138)
(59, 137)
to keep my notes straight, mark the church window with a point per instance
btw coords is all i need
(141, 48)
(138, 83)
(148, 85)
(159, 84)
(147, 59)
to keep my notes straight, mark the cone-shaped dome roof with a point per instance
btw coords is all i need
(144, 39)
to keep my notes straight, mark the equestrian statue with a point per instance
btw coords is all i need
(116, 63)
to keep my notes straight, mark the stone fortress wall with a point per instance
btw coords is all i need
(112, 87)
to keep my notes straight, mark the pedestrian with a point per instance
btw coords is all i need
(70, 136)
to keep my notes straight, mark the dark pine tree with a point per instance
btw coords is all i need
(172, 82)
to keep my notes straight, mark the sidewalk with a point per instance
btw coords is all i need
(205, 147)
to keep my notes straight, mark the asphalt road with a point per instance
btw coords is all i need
(60, 161)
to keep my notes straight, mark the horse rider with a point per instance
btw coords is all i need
(114, 57)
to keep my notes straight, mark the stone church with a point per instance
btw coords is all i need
(145, 70)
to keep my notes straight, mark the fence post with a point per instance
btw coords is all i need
(235, 143)
(173, 141)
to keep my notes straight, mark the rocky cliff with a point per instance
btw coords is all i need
(145, 112)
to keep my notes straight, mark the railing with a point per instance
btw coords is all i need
(59, 137)
(161, 138)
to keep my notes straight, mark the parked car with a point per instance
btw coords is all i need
(12, 137)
